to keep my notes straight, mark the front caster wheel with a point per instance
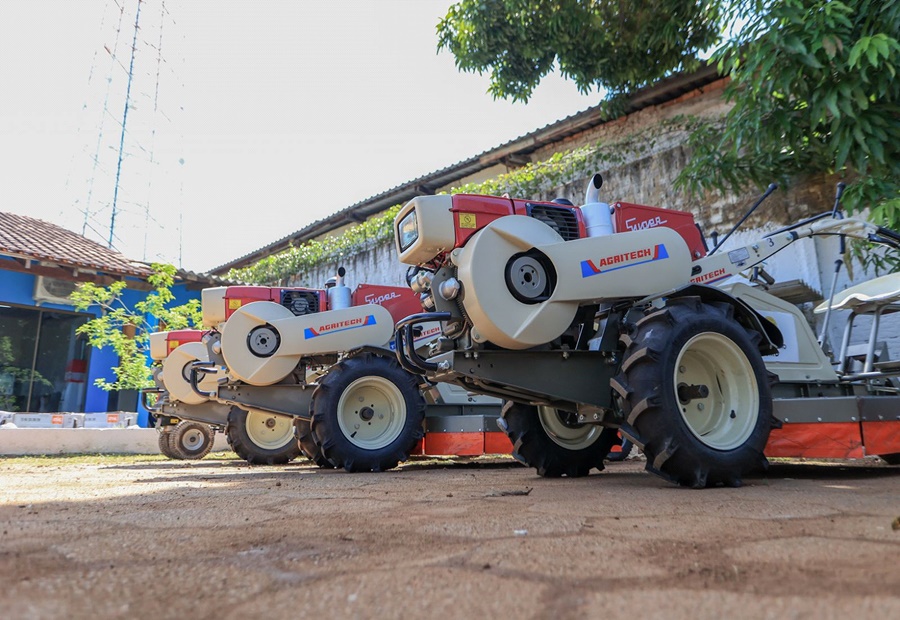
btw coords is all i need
(553, 443)
(261, 438)
(191, 440)
(694, 386)
(367, 414)
(164, 440)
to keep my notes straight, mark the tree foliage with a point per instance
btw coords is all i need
(127, 330)
(813, 82)
(616, 45)
(815, 89)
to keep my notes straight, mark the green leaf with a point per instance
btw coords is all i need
(856, 51)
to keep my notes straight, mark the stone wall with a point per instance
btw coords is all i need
(379, 265)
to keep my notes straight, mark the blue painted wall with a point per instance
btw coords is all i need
(18, 288)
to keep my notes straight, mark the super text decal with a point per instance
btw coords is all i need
(623, 261)
(373, 298)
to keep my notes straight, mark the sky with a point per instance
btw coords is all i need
(247, 120)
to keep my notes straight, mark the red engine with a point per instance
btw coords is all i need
(399, 301)
(628, 217)
(178, 337)
(472, 213)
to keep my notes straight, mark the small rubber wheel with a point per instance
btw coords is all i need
(191, 440)
(165, 443)
(891, 459)
(261, 438)
(307, 443)
(367, 413)
(553, 443)
(694, 386)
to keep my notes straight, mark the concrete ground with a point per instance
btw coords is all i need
(144, 537)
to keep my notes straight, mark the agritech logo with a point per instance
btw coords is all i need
(338, 326)
(615, 262)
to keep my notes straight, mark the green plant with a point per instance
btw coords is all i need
(127, 330)
(364, 236)
(815, 90)
(615, 45)
(531, 180)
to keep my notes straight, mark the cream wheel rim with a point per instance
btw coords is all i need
(371, 412)
(568, 436)
(268, 430)
(193, 440)
(723, 415)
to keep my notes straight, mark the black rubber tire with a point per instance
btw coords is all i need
(191, 441)
(367, 375)
(535, 446)
(625, 448)
(165, 444)
(245, 446)
(891, 459)
(647, 386)
(307, 444)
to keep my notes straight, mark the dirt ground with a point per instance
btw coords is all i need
(144, 537)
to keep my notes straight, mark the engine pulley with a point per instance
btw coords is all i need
(529, 277)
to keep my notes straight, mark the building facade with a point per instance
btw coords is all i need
(45, 365)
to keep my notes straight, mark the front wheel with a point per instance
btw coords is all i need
(307, 444)
(695, 389)
(164, 440)
(553, 443)
(367, 414)
(261, 438)
(191, 440)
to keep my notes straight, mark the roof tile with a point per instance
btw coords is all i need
(28, 237)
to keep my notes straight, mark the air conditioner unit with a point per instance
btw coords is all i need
(51, 290)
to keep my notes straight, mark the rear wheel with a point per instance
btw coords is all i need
(191, 440)
(261, 438)
(695, 389)
(367, 414)
(892, 459)
(553, 443)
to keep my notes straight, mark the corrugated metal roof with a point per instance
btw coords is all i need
(663, 91)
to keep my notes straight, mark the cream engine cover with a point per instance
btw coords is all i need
(176, 373)
(594, 269)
